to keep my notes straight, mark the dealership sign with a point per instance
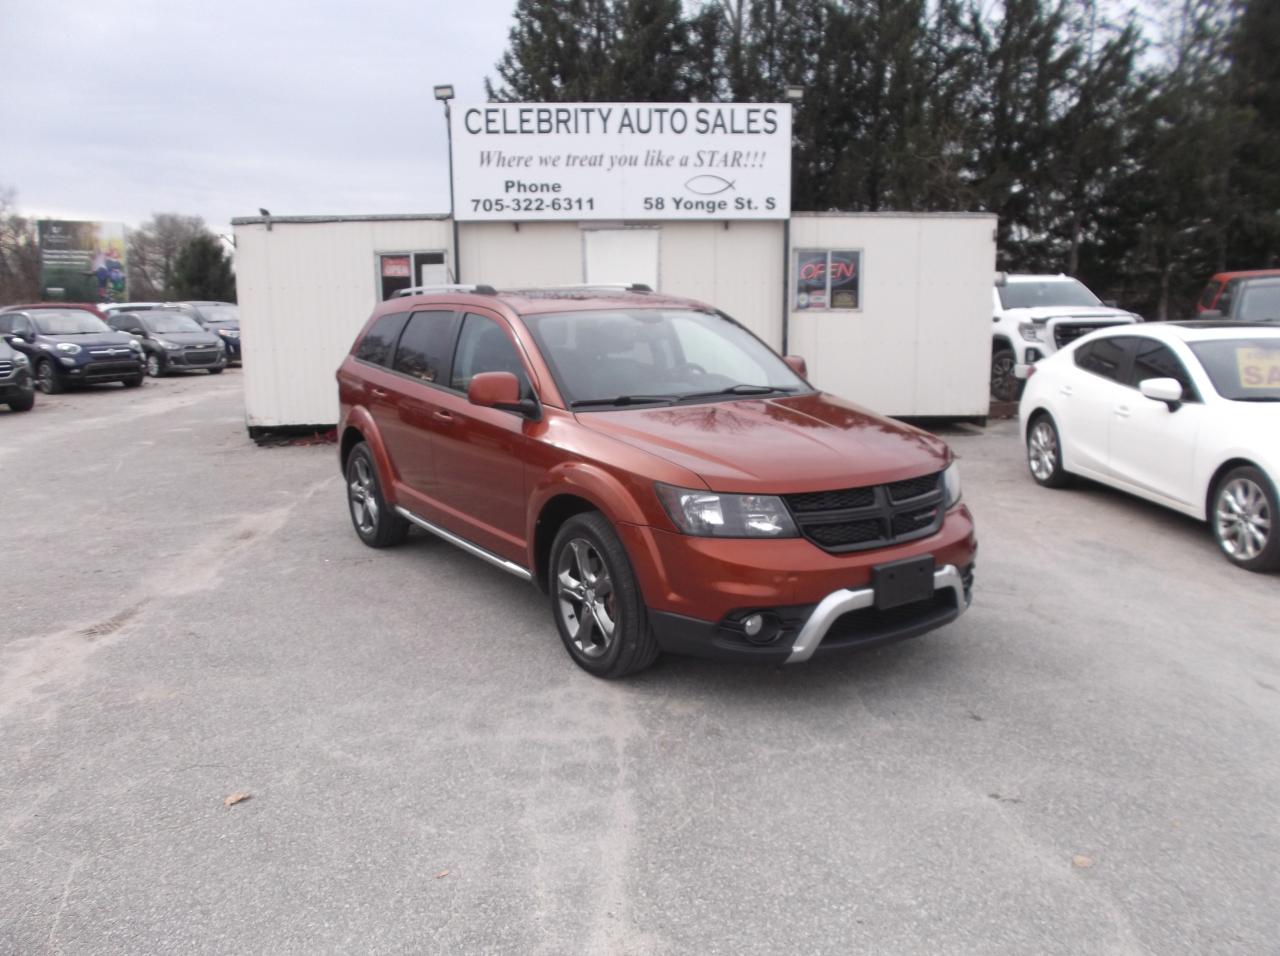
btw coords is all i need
(82, 261)
(530, 161)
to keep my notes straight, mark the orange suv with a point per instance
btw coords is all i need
(665, 478)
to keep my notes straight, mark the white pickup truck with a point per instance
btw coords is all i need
(1035, 316)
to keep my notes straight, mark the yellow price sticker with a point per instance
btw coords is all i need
(1259, 368)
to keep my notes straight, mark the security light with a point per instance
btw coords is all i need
(444, 92)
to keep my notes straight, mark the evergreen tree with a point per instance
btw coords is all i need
(203, 271)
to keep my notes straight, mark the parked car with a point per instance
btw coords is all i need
(131, 307)
(1251, 300)
(1035, 315)
(172, 341)
(664, 477)
(83, 306)
(71, 347)
(1219, 290)
(1185, 414)
(222, 318)
(16, 388)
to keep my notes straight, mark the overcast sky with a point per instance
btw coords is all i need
(114, 111)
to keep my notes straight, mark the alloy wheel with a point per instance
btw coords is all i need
(44, 378)
(1042, 451)
(1004, 385)
(362, 492)
(1244, 519)
(586, 599)
(153, 366)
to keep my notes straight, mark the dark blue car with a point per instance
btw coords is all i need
(72, 347)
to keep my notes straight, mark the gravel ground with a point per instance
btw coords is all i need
(1084, 763)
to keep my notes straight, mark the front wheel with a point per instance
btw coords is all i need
(375, 522)
(1005, 386)
(1244, 514)
(47, 378)
(23, 403)
(133, 381)
(155, 365)
(1044, 452)
(595, 600)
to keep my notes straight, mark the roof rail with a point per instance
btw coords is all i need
(478, 289)
(620, 286)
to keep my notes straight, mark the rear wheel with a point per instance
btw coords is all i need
(1244, 516)
(1005, 386)
(596, 603)
(47, 378)
(1044, 452)
(375, 522)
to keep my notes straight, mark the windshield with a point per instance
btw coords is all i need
(169, 322)
(1242, 370)
(71, 322)
(1259, 302)
(219, 313)
(655, 355)
(1049, 292)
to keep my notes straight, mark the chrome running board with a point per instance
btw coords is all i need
(524, 574)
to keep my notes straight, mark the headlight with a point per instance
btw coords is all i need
(69, 347)
(172, 347)
(951, 482)
(710, 515)
(229, 333)
(1029, 331)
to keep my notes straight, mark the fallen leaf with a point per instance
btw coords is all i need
(1082, 862)
(442, 873)
(237, 797)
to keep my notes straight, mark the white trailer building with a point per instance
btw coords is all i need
(890, 310)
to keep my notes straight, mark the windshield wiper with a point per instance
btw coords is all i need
(623, 400)
(740, 390)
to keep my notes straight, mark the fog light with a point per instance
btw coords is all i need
(751, 626)
(66, 361)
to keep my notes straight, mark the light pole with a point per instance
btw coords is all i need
(794, 95)
(444, 93)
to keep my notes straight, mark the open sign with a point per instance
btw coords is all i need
(1258, 368)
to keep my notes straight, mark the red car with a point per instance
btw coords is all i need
(664, 477)
(1218, 293)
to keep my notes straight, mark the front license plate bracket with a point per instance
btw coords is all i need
(903, 582)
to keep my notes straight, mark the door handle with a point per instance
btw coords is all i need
(377, 393)
(1067, 390)
(443, 417)
(1122, 411)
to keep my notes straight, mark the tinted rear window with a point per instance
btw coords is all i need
(425, 346)
(379, 342)
(1103, 357)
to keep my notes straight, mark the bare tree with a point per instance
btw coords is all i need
(153, 253)
(19, 253)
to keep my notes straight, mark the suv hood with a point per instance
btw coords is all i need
(202, 337)
(1043, 313)
(777, 445)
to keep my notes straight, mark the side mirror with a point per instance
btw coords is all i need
(500, 390)
(1165, 390)
(797, 365)
(11, 337)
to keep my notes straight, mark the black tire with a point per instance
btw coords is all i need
(156, 365)
(23, 403)
(1044, 452)
(1004, 386)
(215, 371)
(630, 646)
(1243, 513)
(376, 524)
(133, 381)
(47, 379)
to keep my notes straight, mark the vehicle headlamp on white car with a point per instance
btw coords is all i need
(708, 514)
(1030, 331)
(951, 485)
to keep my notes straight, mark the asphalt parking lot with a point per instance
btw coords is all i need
(1085, 763)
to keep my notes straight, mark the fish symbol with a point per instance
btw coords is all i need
(708, 185)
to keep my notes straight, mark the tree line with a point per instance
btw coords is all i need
(170, 257)
(1137, 150)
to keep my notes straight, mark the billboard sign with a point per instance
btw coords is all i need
(537, 161)
(82, 261)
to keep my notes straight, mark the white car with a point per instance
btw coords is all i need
(1034, 316)
(1185, 414)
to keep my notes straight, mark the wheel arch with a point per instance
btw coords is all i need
(1220, 472)
(551, 518)
(360, 427)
